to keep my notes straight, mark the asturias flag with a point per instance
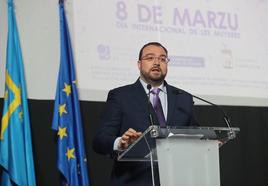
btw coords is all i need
(16, 156)
(72, 161)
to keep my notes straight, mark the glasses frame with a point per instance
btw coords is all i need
(154, 58)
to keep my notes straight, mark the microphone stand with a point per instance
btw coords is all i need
(152, 132)
(231, 133)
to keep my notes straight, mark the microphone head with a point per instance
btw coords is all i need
(149, 87)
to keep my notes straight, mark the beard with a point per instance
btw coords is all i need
(153, 76)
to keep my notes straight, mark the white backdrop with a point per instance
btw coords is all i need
(218, 49)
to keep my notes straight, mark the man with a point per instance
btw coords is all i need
(127, 114)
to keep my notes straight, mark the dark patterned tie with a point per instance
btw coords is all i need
(158, 107)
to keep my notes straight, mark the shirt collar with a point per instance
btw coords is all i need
(162, 87)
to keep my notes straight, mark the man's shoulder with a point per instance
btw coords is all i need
(177, 91)
(125, 89)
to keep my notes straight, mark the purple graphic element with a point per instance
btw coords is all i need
(121, 10)
(156, 28)
(147, 14)
(104, 52)
(187, 61)
(209, 19)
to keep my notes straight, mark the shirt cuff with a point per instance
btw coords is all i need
(116, 144)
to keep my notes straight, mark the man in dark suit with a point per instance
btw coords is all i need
(127, 114)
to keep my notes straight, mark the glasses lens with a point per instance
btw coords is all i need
(153, 58)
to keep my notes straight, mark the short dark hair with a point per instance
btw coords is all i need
(151, 43)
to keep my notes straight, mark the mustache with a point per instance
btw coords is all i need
(155, 68)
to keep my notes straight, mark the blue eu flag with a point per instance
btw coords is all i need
(72, 161)
(16, 156)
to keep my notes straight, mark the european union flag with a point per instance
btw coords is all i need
(72, 161)
(16, 156)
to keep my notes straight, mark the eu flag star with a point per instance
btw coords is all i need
(62, 109)
(62, 132)
(70, 153)
(67, 89)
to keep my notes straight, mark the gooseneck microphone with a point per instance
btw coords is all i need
(153, 132)
(149, 105)
(225, 117)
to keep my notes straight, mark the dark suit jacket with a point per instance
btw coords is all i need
(127, 107)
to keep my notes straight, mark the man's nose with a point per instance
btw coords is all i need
(156, 61)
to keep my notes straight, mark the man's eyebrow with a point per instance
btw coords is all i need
(152, 54)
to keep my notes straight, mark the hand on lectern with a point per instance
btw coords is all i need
(128, 138)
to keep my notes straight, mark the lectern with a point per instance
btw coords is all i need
(185, 156)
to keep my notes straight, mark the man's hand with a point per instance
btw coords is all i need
(128, 138)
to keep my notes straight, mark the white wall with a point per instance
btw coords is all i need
(38, 25)
(93, 21)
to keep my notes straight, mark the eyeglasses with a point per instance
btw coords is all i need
(153, 58)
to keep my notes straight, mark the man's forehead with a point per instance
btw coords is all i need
(152, 49)
(154, 54)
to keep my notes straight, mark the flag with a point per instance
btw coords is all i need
(16, 156)
(72, 161)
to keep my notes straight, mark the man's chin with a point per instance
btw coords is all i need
(155, 75)
(154, 78)
(157, 79)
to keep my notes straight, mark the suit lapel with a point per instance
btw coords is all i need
(139, 95)
(171, 97)
(141, 99)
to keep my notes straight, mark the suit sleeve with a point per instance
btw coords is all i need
(110, 125)
(193, 120)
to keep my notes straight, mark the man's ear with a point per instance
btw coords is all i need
(139, 64)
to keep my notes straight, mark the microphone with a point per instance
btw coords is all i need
(226, 119)
(149, 87)
(154, 132)
(149, 104)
